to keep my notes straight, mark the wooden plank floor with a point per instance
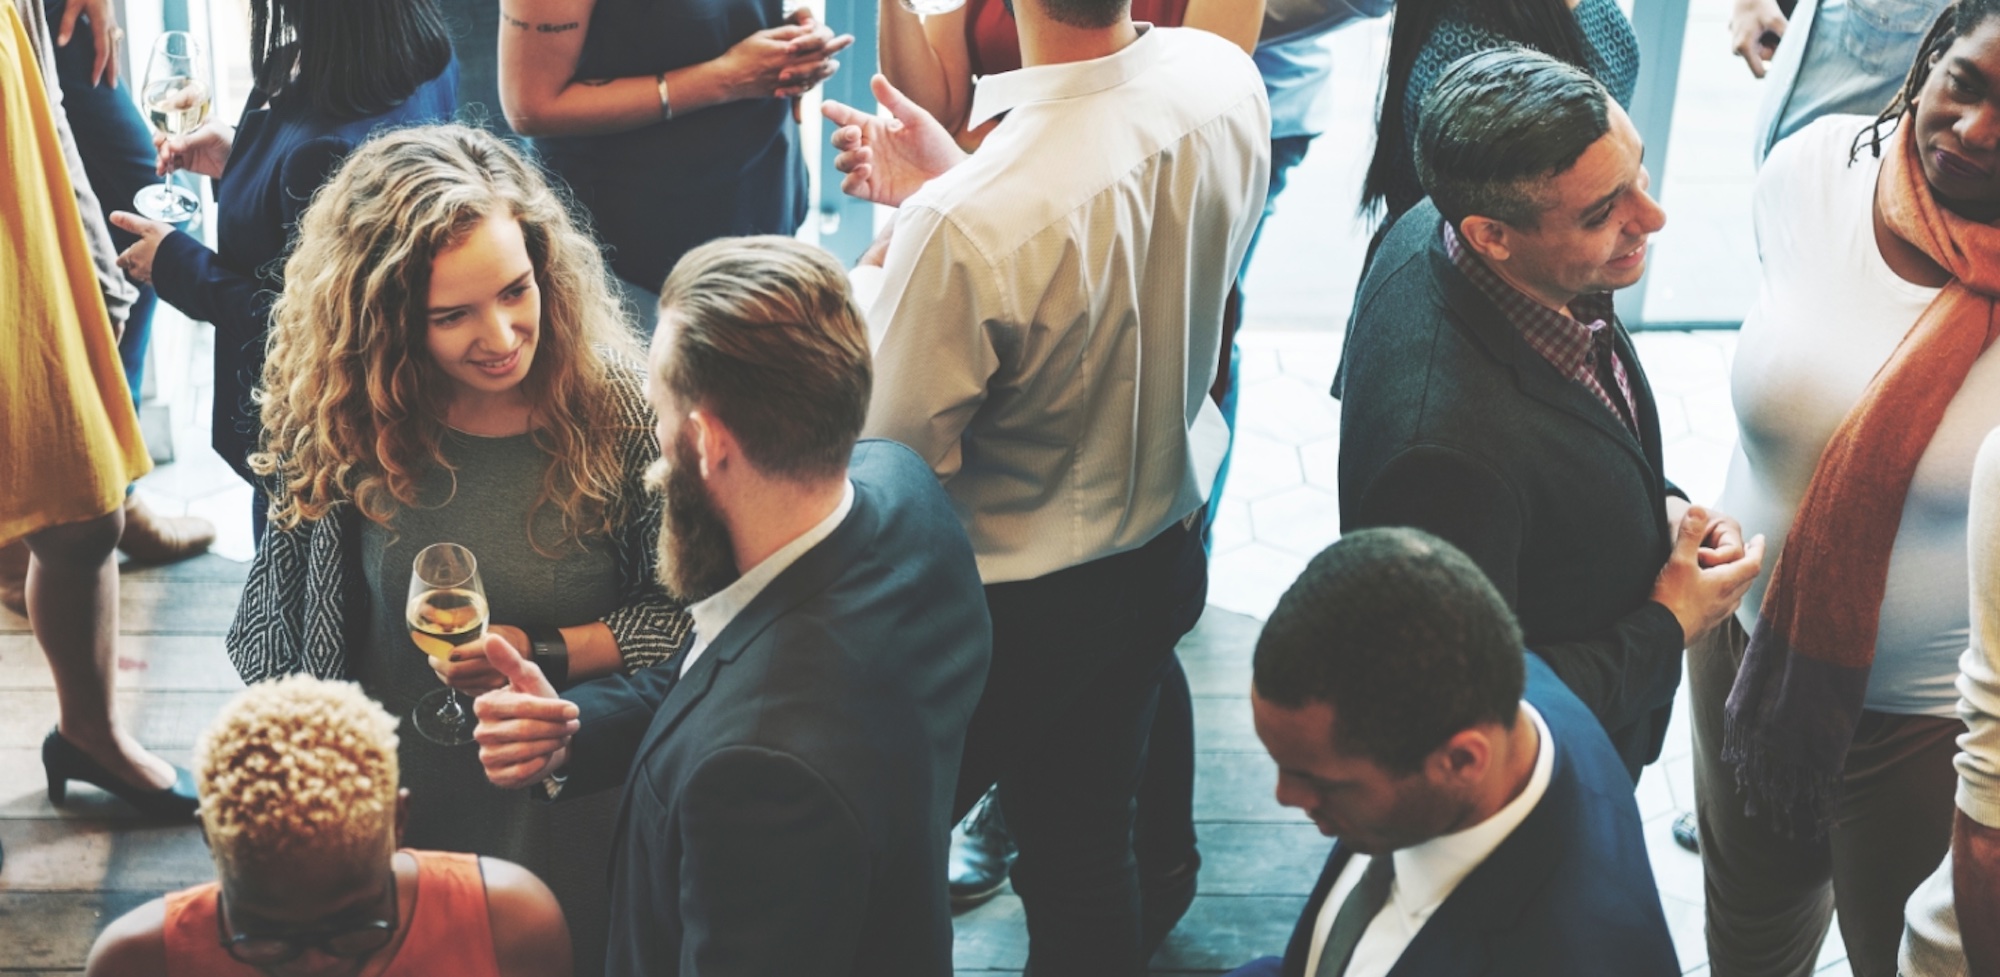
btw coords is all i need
(69, 871)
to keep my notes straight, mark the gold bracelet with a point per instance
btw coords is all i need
(666, 107)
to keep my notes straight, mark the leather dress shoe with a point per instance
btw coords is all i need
(981, 855)
(14, 577)
(63, 761)
(153, 538)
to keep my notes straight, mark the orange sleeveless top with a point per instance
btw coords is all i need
(449, 931)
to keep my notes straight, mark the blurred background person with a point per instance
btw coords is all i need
(448, 364)
(672, 121)
(304, 821)
(64, 404)
(1864, 383)
(326, 73)
(1844, 57)
(1426, 36)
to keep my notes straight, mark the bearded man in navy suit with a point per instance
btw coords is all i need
(1485, 824)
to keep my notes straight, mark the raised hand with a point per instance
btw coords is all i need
(524, 728)
(1754, 27)
(886, 158)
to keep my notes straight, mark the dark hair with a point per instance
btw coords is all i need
(1087, 14)
(1549, 26)
(355, 58)
(767, 337)
(1403, 635)
(1953, 22)
(1497, 121)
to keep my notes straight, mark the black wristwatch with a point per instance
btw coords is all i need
(548, 650)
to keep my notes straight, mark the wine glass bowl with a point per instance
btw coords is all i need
(177, 99)
(446, 611)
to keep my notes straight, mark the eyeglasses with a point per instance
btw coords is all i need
(346, 942)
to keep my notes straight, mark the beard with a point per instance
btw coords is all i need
(697, 559)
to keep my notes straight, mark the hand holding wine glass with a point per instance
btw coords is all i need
(447, 609)
(177, 98)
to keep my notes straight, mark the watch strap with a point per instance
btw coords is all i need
(549, 651)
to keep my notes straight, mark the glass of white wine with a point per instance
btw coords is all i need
(177, 99)
(447, 610)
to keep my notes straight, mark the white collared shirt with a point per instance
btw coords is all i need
(1049, 312)
(715, 613)
(1426, 874)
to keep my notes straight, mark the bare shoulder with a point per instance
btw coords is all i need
(530, 937)
(134, 945)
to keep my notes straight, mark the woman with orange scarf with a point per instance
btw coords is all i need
(1864, 383)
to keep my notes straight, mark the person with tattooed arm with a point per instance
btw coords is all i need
(673, 122)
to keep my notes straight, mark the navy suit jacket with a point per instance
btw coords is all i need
(1569, 894)
(788, 801)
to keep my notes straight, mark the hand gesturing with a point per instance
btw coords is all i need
(886, 158)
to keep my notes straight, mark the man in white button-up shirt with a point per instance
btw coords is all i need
(1485, 825)
(1047, 318)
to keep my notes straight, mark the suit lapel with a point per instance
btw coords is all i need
(1300, 948)
(1459, 937)
(1533, 375)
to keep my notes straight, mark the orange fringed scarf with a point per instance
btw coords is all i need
(1791, 714)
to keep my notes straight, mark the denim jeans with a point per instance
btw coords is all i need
(118, 158)
(1841, 57)
(1078, 659)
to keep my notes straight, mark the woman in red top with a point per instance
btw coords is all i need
(301, 812)
(934, 60)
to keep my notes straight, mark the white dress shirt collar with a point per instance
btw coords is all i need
(1003, 92)
(714, 614)
(1427, 874)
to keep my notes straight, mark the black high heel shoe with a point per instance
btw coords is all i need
(64, 762)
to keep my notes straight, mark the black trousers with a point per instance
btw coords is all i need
(1078, 658)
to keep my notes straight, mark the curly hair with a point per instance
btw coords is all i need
(1953, 22)
(353, 403)
(297, 766)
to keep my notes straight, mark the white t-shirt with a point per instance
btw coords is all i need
(1829, 313)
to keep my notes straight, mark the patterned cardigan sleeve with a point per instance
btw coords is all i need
(298, 601)
(649, 626)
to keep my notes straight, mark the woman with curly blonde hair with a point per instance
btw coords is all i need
(448, 364)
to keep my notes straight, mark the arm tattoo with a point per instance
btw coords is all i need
(513, 21)
(557, 28)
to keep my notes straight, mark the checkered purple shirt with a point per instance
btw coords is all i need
(1567, 343)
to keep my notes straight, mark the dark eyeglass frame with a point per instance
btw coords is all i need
(289, 948)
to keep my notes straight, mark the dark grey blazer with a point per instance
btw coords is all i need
(1452, 423)
(788, 802)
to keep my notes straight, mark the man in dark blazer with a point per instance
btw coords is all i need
(1485, 825)
(789, 777)
(1491, 397)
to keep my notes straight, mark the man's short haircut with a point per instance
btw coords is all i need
(298, 768)
(768, 339)
(1086, 14)
(1403, 635)
(1497, 123)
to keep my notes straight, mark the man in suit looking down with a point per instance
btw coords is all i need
(1485, 825)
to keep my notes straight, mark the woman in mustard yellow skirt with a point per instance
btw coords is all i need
(69, 444)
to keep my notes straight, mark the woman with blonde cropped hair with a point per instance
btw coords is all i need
(303, 818)
(448, 364)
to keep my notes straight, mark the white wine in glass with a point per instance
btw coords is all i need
(177, 100)
(447, 610)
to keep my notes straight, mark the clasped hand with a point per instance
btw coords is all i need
(1710, 569)
(524, 727)
(787, 61)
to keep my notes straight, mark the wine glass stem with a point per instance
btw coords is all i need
(452, 713)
